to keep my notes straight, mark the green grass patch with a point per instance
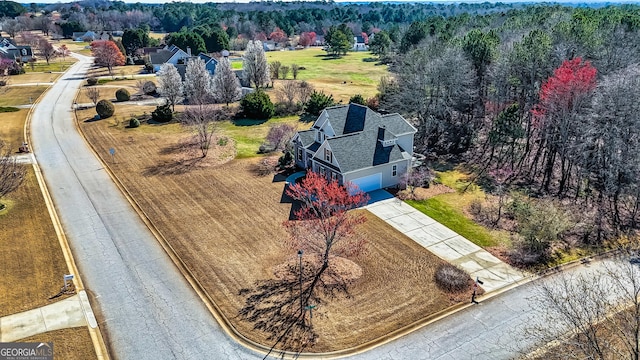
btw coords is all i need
(455, 220)
(342, 77)
(54, 65)
(236, 65)
(250, 134)
(5, 109)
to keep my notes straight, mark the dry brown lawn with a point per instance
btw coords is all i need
(32, 261)
(11, 124)
(33, 78)
(20, 95)
(225, 223)
(116, 71)
(30, 254)
(68, 344)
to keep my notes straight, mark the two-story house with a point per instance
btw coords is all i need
(352, 143)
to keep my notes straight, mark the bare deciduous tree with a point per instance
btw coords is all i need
(92, 93)
(305, 91)
(254, 64)
(288, 92)
(46, 49)
(202, 118)
(170, 84)
(294, 71)
(11, 172)
(285, 71)
(225, 84)
(417, 177)
(598, 313)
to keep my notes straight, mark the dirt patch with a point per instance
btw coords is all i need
(225, 223)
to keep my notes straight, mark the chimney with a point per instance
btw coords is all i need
(189, 51)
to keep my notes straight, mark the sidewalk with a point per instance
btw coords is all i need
(71, 312)
(446, 244)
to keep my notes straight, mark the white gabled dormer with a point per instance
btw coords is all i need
(325, 154)
(322, 124)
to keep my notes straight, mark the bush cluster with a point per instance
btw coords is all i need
(123, 95)
(92, 81)
(134, 123)
(149, 88)
(257, 105)
(452, 279)
(162, 114)
(105, 109)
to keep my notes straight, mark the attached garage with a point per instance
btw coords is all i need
(369, 183)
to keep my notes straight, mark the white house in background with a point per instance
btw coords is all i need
(352, 143)
(169, 55)
(359, 43)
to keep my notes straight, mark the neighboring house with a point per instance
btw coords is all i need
(359, 44)
(270, 45)
(9, 50)
(352, 143)
(168, 55)
(179, 58)
(89, 36)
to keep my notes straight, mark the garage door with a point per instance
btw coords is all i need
(369, 183)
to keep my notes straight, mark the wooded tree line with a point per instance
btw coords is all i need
(548, 93)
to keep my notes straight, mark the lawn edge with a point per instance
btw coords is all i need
(96, 335)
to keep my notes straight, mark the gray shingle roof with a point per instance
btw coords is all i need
(345, 119)
(370, 152)
(306, 137)
(160, 57)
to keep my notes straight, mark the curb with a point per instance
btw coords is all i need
(96, 336)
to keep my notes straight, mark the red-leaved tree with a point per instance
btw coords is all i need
(106, 53)
(307, 38)
(562, 97)
(324, 226)
(278, 35)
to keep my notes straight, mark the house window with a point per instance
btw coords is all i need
(394, 170)
(319, 136)
(327, 155)
(322, 170)
(334, 176)
(299, 154)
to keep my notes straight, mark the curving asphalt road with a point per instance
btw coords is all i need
(146, 307)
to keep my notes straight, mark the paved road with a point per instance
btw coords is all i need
(148, 310)
(490, 330)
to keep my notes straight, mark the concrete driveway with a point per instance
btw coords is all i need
(446, 244)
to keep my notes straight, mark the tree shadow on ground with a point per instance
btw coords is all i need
(172, 167)
(280, 307)
(248, 122)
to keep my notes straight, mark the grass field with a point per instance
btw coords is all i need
(30, 254)
(225, 223)
(32, 261)
(249, 134)
(54, 65)
(33, 78)
(20, 95)
(11, 127)
(343, 77)
(117, 71)
(449, 209)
